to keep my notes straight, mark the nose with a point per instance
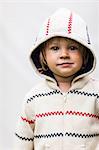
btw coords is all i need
(64, 54)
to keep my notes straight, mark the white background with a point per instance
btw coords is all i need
(19, 23)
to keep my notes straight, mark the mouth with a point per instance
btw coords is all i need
(67, 64)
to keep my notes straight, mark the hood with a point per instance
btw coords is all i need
(63, 23)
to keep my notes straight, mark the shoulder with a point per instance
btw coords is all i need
(94, 83)
(38, 88)
(37, 91)
(28, 102)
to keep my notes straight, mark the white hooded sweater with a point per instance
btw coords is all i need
(56, 120)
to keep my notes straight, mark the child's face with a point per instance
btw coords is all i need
(63, 57)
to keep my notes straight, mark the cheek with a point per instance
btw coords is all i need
(78, 59)
(50, 57)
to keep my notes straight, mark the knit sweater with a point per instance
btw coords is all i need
(55, 120)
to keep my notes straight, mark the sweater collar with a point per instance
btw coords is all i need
(76, 83)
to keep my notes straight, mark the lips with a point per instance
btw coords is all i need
(66, 64)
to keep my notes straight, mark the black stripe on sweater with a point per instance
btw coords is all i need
(24, 138)
(49, 135)
(82, 135)
(59, 92)
(84, 93)
(43, 94)
(76, 135)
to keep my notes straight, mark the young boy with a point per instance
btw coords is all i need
(62, 112)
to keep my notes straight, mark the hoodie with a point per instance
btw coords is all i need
(56, 120)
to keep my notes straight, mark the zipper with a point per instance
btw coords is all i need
(64, 110)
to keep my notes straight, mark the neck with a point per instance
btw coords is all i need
(64, 83)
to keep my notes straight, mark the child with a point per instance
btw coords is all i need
(61, 112)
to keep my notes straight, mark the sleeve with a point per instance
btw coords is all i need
(24, 133)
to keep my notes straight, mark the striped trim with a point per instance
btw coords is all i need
(59, 92)
(29, 121)
(69, 134)
(47, 27)
(49, 114)
(88, 38)
(43, 94)
(82, 135)
(53, 135)
(84, 93)
(24, 138)
(83, 114)
(70, 24)
(49, 135)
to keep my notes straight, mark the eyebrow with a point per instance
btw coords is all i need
(57, 43)
(53, 42)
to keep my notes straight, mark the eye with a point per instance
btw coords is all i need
(73, 48)
(54, 48)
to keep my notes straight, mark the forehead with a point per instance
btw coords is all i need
(57, 40)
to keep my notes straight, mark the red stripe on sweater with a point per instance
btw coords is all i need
(82, 114)
(67, 113)
(70, 24)
(49, 114)
(29, 121)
